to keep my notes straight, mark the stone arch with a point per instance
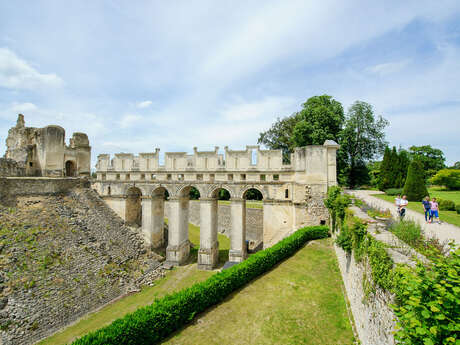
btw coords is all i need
(160, 192)
(126, 187)
(70, 168)
(133, 206)
(258, 188)
(214, 189)
(184, 191)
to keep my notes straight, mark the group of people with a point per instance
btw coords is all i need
(430, 207)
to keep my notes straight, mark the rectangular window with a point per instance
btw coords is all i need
(168, 177)
(262, 177)
(199, 177)
(118, 176)
(128, 177)
(142, 176)
(286, 193)
(180, 177)
(153, 177)
(243, 177)
(276, 177)
(211, 177)
(230, 177)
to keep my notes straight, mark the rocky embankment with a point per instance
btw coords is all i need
(61, 257)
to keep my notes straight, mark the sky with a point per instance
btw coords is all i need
(136, 75)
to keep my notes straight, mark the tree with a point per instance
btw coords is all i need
(449, 178)
(403, 165)
(415, 188)
(362, 139)
(432, 159)
(384, 177)
(279, 136)
(374, 173)
(456, 166)
(320, 119)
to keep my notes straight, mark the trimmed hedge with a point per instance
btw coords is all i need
(446, 205)
(393, 191)
(151, 324)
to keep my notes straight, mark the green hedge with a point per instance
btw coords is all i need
(446, 205)
(393, 191)
(151, 324)
(457, 207)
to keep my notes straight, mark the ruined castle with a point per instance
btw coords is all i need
(43, 152)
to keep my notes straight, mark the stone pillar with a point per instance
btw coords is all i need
(158, 207)
(238, 233)
(178, 244)
(147, 213)
(208, 254)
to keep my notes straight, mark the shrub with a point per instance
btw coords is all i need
(344, 239)
(151, 324)
(457, 207)
(446, 205)
(414, 187)
(449, 178)
(394, 191)
(408, 231)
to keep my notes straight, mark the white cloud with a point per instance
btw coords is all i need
(388, 68)
(144, 104)
(130, 120)
(16, 73)
(247, 111)
(23, 107)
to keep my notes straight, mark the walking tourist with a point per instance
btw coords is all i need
(398, 203)
(434, 211)
(427, 208)
(402, 207)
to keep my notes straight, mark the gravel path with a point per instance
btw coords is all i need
(445, 232)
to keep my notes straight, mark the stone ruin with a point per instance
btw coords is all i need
(42, 152)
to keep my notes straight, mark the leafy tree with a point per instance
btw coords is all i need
(384, 177)
(415, 187)
(280, 135)
(455, 166)
(432, 159)
(449, 178)
(320, 119)
(374, 173)
(362, 139)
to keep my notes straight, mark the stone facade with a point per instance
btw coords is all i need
(292, 193)
(9, 167)
(43, 152)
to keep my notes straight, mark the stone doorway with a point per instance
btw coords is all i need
(70, 169)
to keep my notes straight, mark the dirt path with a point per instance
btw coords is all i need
(445, 232)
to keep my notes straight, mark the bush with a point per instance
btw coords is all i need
(408, 231)
(414, 187)
(446, 205)
(449, 178)
(151, 324)
(457, 207)
(394, 191)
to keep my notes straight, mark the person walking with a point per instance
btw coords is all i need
(427, 208)
(434, 211)
(402, 207)
(398, 204)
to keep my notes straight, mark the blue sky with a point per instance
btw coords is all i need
(135, 75)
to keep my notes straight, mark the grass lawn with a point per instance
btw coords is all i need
(451, 217)
(249, 203)
(176, 279)
(298, 302)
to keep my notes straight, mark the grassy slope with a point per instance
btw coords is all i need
(249, 203)
(174, 280)
(451, 217)
(298, 302)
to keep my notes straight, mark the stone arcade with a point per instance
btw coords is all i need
(43, 152)
(135, 187)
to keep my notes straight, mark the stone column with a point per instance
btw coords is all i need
(238, 233)
(208, 253)
(147, 214)
(158, 207)
(178, 244)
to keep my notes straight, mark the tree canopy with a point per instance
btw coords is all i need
(432, 159)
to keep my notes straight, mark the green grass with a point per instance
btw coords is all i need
(176, 279)
(451, 217)
(298, 302)
(249, 203)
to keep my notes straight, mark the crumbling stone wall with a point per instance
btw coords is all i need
(9, 167)
(63, 255)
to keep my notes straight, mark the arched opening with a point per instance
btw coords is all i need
(70, 169)
(133, 207)
(254, 219)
